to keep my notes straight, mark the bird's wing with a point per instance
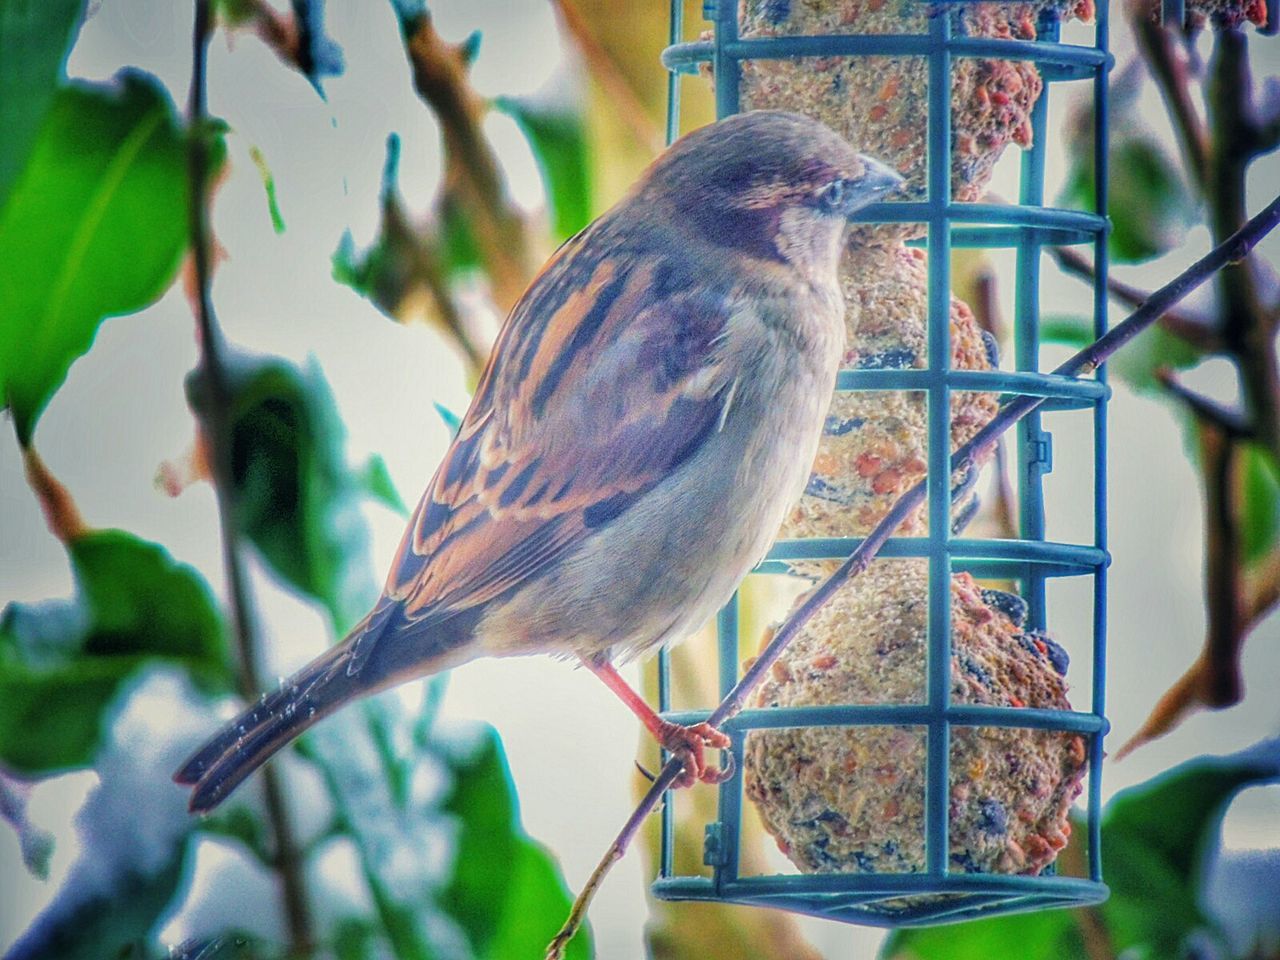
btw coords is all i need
(608, 375)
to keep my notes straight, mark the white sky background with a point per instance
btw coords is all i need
(122, 412)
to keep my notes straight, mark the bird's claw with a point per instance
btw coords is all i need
(689, 744)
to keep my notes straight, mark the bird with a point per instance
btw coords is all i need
(648, 415)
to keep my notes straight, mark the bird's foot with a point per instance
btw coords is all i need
(689, 744)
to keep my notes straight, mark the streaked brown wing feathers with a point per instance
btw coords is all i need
(619, 390)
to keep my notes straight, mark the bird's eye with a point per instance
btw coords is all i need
(831, 197)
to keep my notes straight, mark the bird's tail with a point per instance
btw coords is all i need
(358, 666)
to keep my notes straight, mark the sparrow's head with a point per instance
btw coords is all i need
(768, 184)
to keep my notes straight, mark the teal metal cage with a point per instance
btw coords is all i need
(1026, 228)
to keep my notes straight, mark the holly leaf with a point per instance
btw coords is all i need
(558, 137)
(134, 832)
(63, 662)
(296, 497)
(94, 227)
(36, 36)
(1157, 842)
(1158, 839)
(500, 888)
(1150, 203)
(506, 891)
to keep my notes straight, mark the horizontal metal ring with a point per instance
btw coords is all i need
(1079, 556)
(901, 715)
(1071, 61)
(1084, 392)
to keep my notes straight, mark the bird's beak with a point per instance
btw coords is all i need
(878, 181)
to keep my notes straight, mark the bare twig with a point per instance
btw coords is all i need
(1187, 328)
(1230, 422)
(1084, 362)
(1249, 337)
(1162, 51)
(217, 427)
(473, 177)
(628, 105)
(986, 309)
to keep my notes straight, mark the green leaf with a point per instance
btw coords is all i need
(506, 892)
(133, 831)
(1044, 934)
(296, 498)
(558, 138)
(1150, 204)
(63, 662)
(1261, 504)
(503, 891)
(376, 481)
(1149, 201)
(94, 227)
(1138, 361)
(36, 36)
(1157, 840)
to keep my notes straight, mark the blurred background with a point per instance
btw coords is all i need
(362, 268)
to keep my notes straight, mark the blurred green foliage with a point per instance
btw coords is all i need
(295, 497)
(1157, 841)
(88, 172)
(106, 173)
(34, 37)
(63, 663)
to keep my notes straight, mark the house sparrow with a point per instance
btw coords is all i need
(648, 416)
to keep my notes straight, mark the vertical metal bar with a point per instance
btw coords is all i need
(673, 76)
(724, 65)
(1027, 356)
(1102, 133)
(937, 788)
(667, 844)
(730, 801)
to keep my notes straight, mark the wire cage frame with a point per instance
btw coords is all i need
(1026, 228)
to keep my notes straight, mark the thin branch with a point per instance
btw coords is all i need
(627, 104)
(1168, 62)
(1249, 336)
(218, 427)
(986, 310)
(1230, 422)
(473, 175)
(1084, 362)
(1193, 332)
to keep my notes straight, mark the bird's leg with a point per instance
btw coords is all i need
(688, 743)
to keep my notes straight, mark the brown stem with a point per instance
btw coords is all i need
(605, 71)
(1187, 328)
(217, 426)
(1160, 47)
(986, 309)
(1222, 684)
(1246, 328)
(1230, 422)
(1083, 362)
(472, 172)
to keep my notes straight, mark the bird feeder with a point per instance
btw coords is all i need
(937, 887)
